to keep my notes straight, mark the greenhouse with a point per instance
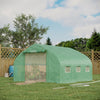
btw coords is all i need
(52, 64)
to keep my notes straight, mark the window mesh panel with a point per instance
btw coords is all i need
(35, 66)
(68, 69)
(78, 69)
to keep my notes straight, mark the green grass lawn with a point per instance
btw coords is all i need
(45, 91)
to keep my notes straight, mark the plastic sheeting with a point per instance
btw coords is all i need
(57, 59)
(35, 72)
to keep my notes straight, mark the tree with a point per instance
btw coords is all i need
(48, 42)
(80, 44)
(26, 32)
(69, 44)
(61, 44)
(77, 44)
(94, 41)
(4, 36)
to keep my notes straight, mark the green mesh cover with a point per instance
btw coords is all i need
(56, 60)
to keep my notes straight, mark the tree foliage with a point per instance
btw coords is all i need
(94, 41)
(48, 42)
(83, 44)
(78, 44)
(26, 32)
(4, 36)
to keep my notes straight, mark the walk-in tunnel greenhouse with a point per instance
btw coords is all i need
(52, 64)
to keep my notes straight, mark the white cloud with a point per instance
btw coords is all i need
(77, 14)
(71, 14)
(74, 13)
(51, 2)
(9, 9)
(85, 31)
(86, 7)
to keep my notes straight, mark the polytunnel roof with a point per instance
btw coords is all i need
(62, 53)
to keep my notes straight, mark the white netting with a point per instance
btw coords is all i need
(35, 66)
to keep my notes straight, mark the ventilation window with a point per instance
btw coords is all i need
(87, 69)
(68, 69)
(78, 69)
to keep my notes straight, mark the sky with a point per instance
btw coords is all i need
(66, 19)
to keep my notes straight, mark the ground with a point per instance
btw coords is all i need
(48, 91)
